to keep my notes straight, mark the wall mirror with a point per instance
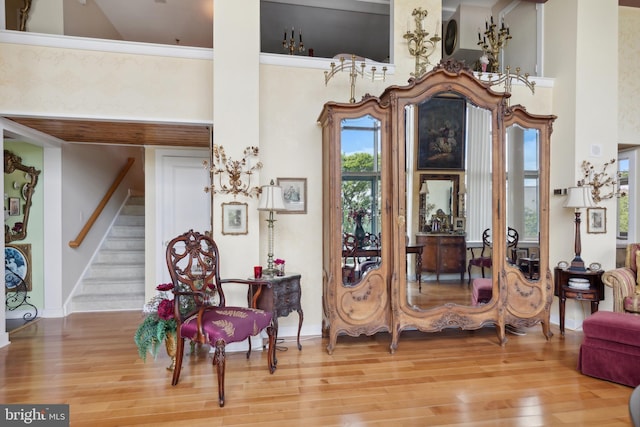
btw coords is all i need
(438, 194)
(19, 184)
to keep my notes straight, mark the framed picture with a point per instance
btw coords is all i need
(14, 206)
(294, 191)
(17, 266)
(596, 220)
(234, 218)
(459, 224)
(441, 133)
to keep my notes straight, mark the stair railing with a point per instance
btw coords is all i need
(96, 213)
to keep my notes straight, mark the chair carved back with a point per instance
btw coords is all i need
(194, 269)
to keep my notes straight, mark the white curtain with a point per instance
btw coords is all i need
(479, 191)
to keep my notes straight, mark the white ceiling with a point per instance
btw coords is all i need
(190, 22)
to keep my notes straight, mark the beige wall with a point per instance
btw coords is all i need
(629, 84)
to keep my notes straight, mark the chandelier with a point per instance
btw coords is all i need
(494, 40)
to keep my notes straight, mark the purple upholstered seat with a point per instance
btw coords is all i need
(482, 291)
(229, 324)
(611, 347)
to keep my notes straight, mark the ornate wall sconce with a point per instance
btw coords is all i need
(421, 46)
(290, 45)
(601, 182)
(237, 172)
(354, 72)
(497, 39)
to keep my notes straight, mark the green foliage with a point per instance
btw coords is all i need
(150, 333)
(356, 194)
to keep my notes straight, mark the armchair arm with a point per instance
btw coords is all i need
(623, 282)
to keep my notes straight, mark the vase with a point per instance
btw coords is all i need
(170, 345)
(280, 269)
(359, 232)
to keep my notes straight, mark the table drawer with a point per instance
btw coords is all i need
(587, 295)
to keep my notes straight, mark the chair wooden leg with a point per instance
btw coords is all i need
(219, 359)
(271, 356)
(178, 367)
(249, 351)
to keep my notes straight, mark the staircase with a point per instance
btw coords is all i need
(115, 279)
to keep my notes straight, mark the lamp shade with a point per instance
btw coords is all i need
(271, 198)
(579, 197)
(424, 188)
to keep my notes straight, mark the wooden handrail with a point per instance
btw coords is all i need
(96, 213)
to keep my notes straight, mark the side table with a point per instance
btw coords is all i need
(594, 294)
(280, 297)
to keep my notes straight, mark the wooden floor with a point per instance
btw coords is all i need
(454, 378)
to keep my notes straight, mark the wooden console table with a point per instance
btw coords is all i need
(443, 253)
(281, 296)
(594, 294)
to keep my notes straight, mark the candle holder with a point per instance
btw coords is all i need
(219, 164)
(354, 72)
(290, 45)
(494, 40)
(421, 46)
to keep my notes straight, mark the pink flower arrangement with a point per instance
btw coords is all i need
(158, 322)
(278, 261)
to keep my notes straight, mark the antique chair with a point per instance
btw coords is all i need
(349, 258)
(200, 310)
(484, 260)
(624, 282)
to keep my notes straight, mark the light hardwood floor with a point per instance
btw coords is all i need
(454, 378)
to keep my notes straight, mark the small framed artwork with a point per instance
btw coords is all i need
(17, 266)
(14, 206)
(459, 224)
(294, 192)
(234, 218)
(596, 220)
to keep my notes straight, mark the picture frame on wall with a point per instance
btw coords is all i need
(234, 218)
(596, 220)
(17, 266)
(294, 193)
(441, 133)
(459, 224)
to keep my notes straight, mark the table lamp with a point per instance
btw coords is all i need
(578, 198)
(271, 200)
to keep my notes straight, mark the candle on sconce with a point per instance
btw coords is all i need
(300, 35)
(486, 25)
(285, 34)
(491, 19)
(292, 32)
(479, 38)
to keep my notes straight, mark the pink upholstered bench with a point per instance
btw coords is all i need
(611, 347)
(482, 290)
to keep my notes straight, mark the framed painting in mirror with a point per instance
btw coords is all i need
(441, 133)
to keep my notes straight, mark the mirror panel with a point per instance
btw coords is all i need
(360, 195)
(523, 196)
(451, 211)
(20, 182)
